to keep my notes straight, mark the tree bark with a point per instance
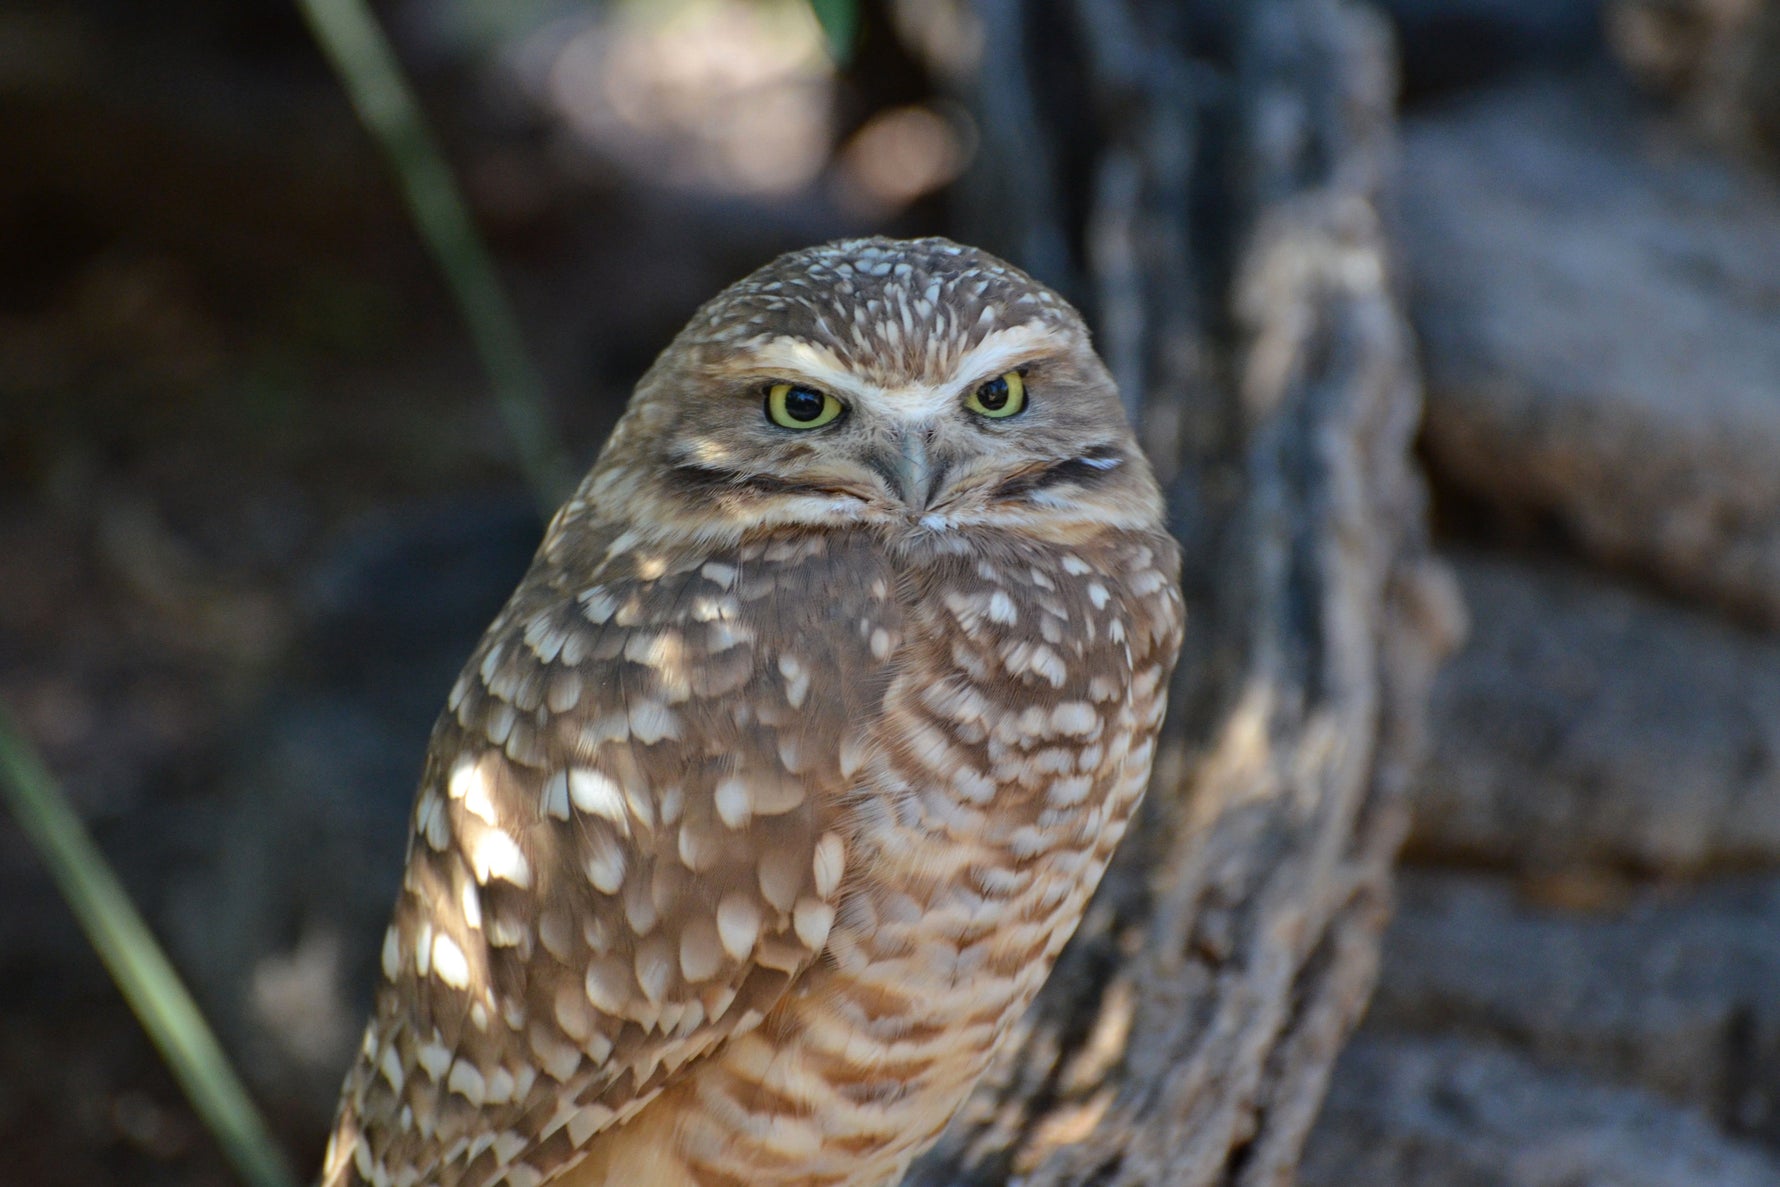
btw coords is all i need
(1207, 181)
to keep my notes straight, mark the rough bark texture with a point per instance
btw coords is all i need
(1234, 254)
(1579, 984)
(1720, 58)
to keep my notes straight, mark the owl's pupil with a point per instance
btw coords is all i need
(803, 404)
(993, 395)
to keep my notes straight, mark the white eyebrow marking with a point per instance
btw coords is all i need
(997, 352)
(796, 358)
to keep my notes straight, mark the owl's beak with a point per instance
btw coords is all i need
(911, 469)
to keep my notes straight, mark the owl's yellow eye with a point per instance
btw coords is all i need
(793, 407)
(1001, 397)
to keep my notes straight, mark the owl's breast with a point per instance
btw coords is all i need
(1020, 713)
(1014, 743)
(990, 720)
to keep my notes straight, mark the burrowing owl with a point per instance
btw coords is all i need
(765, 805)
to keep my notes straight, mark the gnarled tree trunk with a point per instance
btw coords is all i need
(1206, 179)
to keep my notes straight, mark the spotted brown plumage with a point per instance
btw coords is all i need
(764, 807)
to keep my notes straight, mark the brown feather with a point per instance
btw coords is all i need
(765, 805)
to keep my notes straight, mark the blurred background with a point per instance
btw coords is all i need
(256, 504)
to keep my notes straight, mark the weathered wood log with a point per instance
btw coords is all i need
(1210, 187)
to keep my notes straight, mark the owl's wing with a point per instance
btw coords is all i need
(628, 842)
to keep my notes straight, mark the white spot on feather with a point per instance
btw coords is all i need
(587, 1121)
(573, 1012)
(608, 984)
(431, 821)
(596, 795)
(812, 920)
(738, 924)
(390, 1064)
(597, 604)
(449, 962)
(1074, 717)
(701, 951)
(1038, 659)
(497, 855)
(491, 663)
(434, 1058)
(829, 864)
(543, 638)
(1069, 790)
(469, 783)
(734, 806)
(554, 799)
(973, 785)
(654, 969)
(651, 721)
(467, 1082)
(392, 952)
(423, 949)
(563, 692)
(797, 688)
(1147, 582)
(500, 723)
(725, 633)
(605, 862)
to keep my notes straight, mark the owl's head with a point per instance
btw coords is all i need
(921, 385)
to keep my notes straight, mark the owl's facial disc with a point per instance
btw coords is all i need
(1026, 424)
(952, 422)
(1024, 427)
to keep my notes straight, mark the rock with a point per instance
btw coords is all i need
(1587, 726)
(1677, 992)
(1598, 305)
(1417, 1112)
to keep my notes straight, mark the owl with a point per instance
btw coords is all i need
(764, 807)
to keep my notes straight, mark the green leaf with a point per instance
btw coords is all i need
(367, 68)
(136, 962)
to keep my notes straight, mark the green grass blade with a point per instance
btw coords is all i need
(367, 68)
(136, 962)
